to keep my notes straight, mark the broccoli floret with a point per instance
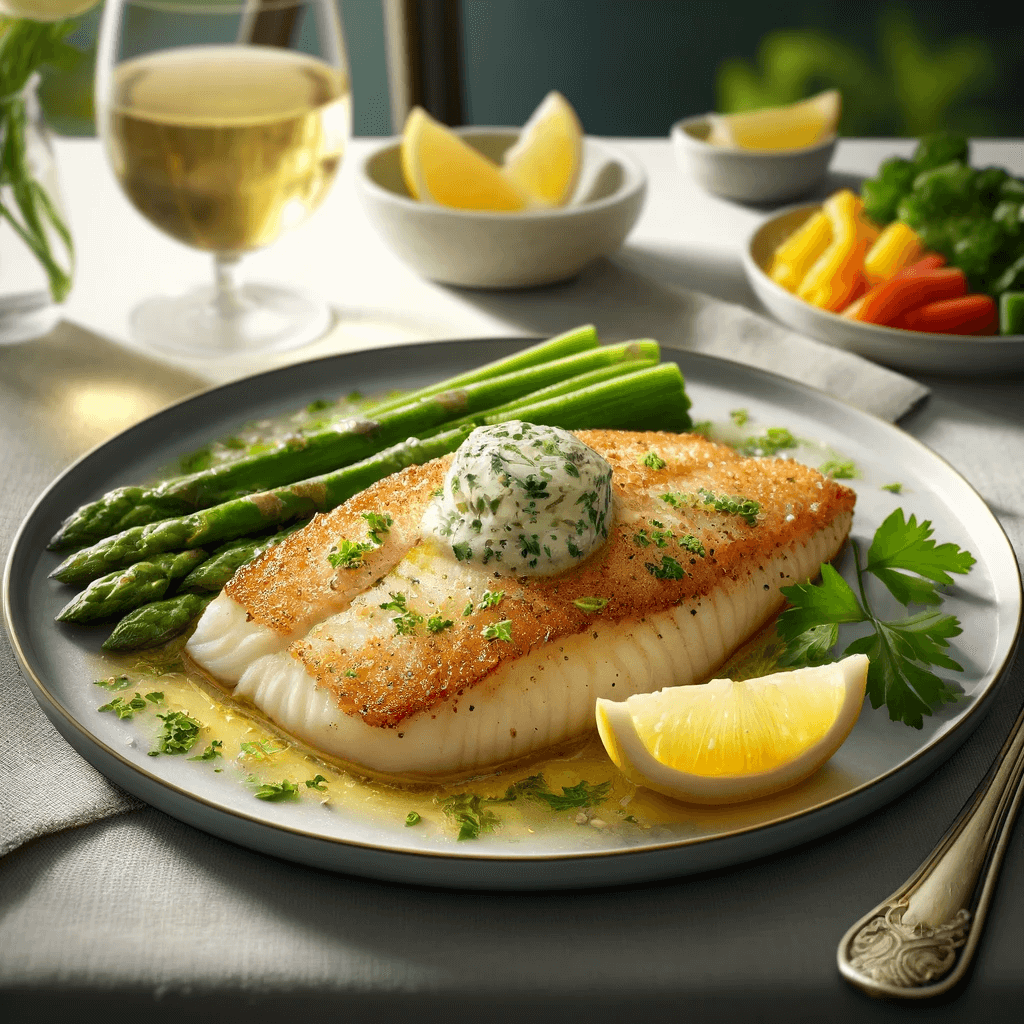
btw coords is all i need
(940, 148)
(1012, 188)
(988, 183)
(1012, 278)
(946, 191)
(1009, 215)
(883, 193)
(936, 235)
(976, 244)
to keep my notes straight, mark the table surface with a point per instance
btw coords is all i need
(200, 918)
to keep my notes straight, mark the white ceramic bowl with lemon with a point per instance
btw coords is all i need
(499, 207)
(763, 156)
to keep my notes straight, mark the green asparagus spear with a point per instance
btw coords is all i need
(226, 560)
(124, 589)
(329, 449)
(252, 513)
(554, 390)
(579, 339)
(156, 623)
(653, 399)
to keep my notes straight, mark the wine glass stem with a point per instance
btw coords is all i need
(228, 300)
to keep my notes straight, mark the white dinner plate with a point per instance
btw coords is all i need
(880, 760)
(905, 350)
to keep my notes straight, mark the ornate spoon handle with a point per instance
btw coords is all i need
(920, 941)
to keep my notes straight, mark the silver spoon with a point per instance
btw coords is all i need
(920, 941)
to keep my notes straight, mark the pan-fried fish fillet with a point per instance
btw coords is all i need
(313, 648)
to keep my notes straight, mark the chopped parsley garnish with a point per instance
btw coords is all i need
(581, 795)
(377, 524)
(668, 569)
(771, 442)
(318, 405)
(492, 598)
(652, 460)
(114, 683)
(407, 620)
(745, 508)
(260, 750)
(155, 697)
(349, 554)
(693, 545)
(125, 707)
(642, 539)
(462, 551)
(412, 818)
(211, 753)
(739, 417)
(283, 790)
(901, 651)
(318, 782)
(468, 610)
(498, 630)
(178, 734)
(590, 605)
(839, 469)
(894, 488)
(472, 813)
(704, 428)
(351, 674)
(437, 623)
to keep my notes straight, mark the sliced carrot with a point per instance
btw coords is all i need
(969, 314)
(891, 299)
(930, 261)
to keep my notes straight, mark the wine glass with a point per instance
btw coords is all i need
(225, 123)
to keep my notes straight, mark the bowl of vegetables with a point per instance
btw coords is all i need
(924, 270)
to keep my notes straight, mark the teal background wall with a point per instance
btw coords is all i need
(632, 67)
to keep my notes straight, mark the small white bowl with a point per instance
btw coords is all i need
(749, 175)
(479, 249)
(918, 351)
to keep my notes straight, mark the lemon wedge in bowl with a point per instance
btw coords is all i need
(726, 741)
(794, 126)
(440, 168)
(545, 161)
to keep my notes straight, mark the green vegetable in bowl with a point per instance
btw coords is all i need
(940, 193)
(940, 148)
(976, 249)
(883, 193)
(988, 183)
(1012, 278)
(1011, 313)
(1012, 188)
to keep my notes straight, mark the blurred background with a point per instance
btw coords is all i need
(632, 67)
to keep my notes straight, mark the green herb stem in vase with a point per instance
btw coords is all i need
(30, 214)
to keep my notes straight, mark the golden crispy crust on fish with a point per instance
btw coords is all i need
(387, 676)
(280, 587)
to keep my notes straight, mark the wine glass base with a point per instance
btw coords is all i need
(260, 318)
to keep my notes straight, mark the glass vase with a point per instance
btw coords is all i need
(35, 246)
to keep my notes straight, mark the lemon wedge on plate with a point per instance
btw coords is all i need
(442, 169)
(726, 741)
(791, 127)
(545, 161)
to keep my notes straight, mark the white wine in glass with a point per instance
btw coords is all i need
(224, 145)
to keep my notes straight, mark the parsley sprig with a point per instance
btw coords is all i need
(904, 557)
